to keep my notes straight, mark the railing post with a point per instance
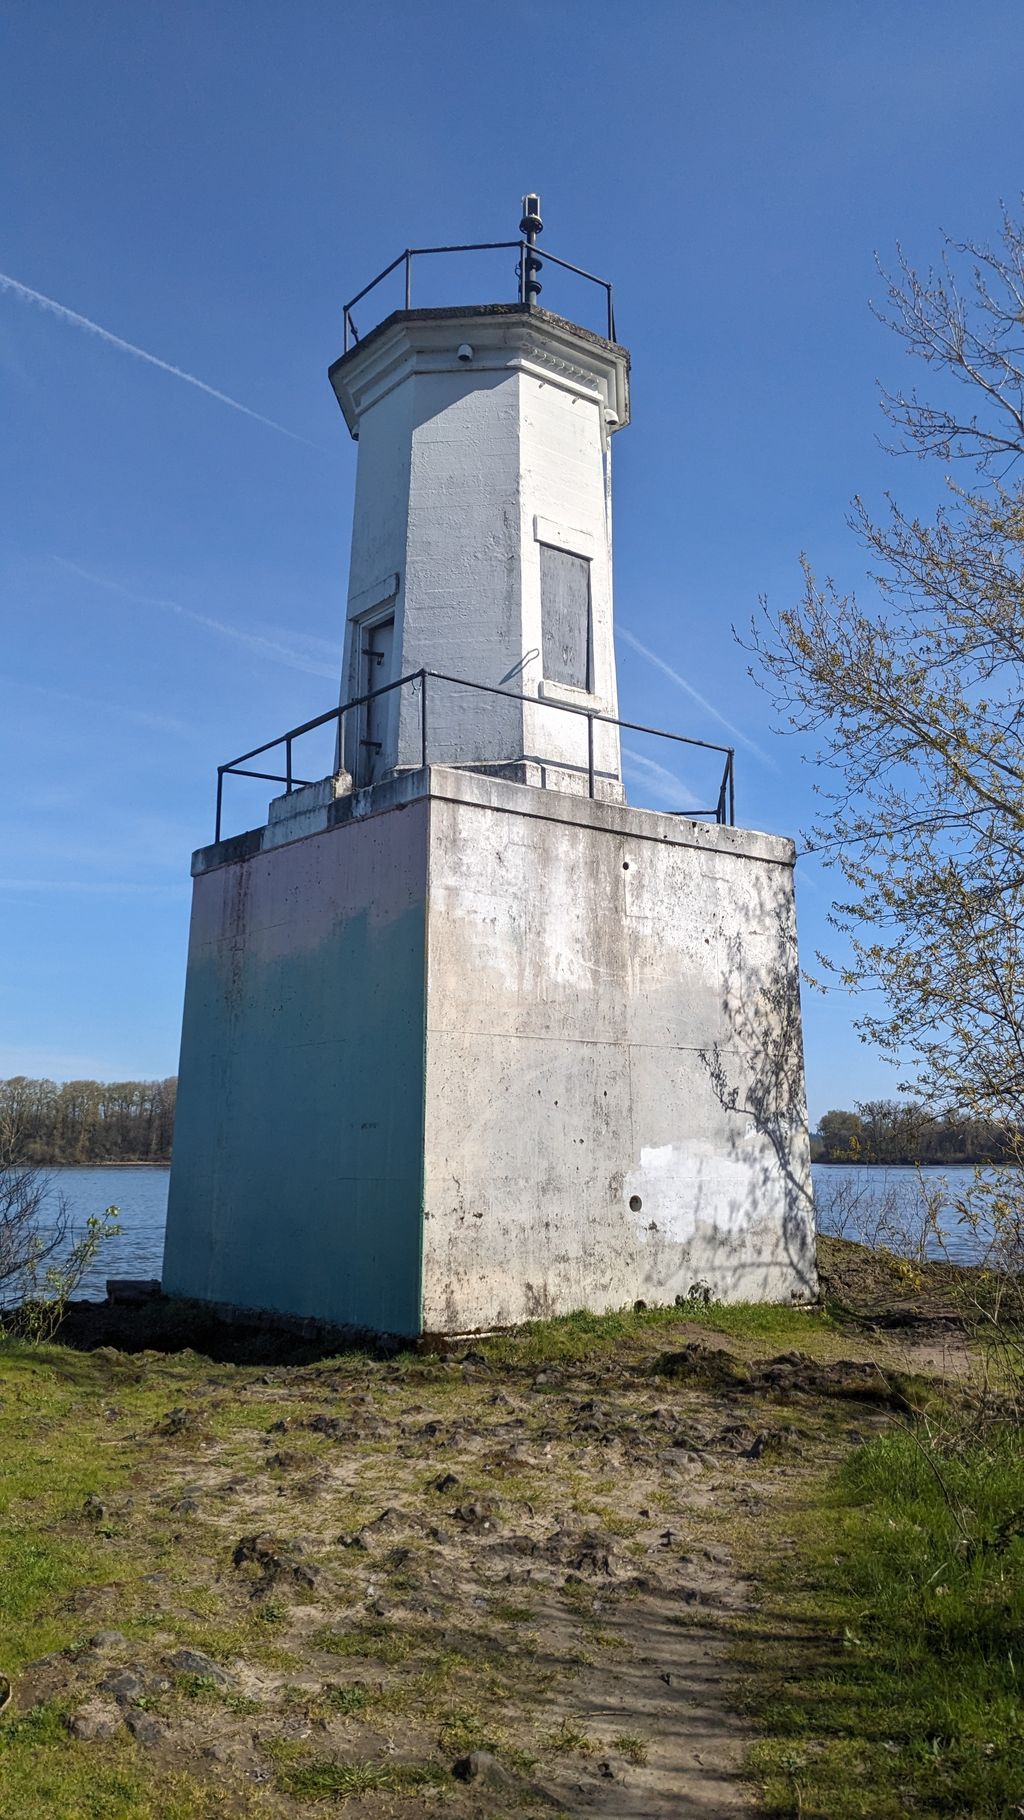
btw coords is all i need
(408, 279)
(611, 313)
(220, 799)
(345, 347)
(522, 271)
(288, 765)
(590, 756)
(732, 789)
(423, 719)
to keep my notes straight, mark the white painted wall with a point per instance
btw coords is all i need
(462, 468)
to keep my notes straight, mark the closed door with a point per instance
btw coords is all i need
(378, 642)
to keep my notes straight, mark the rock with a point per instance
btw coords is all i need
(129, 1292)
(389, 1520)
(93, 1507)
(218, 1753)
(659, 1417)
(637, 1583)
(194, 1662)
(587, 1554)
(483, 1768)
(719, 1556)
(97, 1719)
(145, 1727)
(328, 1425)
(106, 1639)
(447, 1482)
(124, 1684)
(477, 1513)
(359, 1539)
(185, 1507)
(277, 1559)
(176, 1421)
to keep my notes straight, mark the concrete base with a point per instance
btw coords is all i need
(460, 1052)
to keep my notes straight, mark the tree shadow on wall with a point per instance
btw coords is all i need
(756, 1072)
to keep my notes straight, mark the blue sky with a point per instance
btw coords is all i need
(209, 183)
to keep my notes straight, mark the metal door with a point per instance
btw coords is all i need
(377, 646)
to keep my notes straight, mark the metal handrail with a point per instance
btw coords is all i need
(724, 811)
(531, 259)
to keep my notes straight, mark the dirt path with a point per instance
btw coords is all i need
(483, 1583)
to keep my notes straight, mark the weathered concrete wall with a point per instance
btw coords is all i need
(546, 1050)
(298, 1150)
(615, 1099)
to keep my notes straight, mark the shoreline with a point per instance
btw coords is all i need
(122, 1163)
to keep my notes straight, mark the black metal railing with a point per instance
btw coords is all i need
(531, 258)
(724, 811)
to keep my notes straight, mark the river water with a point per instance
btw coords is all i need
(889, 1204)
(882, 1204)
(141, 1198)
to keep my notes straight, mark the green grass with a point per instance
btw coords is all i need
(631, 1747)
(789, 1327)
(583, 1337)
(325, 1779)
(372, 1642)
(42, 1772)
(892, 1675)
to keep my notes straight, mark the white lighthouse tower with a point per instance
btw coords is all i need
(467, 1039)
(481, 543)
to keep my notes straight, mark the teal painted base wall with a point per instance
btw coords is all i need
(297, 1180)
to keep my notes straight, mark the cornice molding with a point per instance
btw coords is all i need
(415, 342)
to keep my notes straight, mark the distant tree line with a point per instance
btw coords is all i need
(901, 1131)
(87, 1121)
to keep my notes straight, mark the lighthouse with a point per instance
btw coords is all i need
(467, 1038)
(481, 540)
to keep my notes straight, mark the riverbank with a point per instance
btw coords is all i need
(121, 1162)
(581, 1568)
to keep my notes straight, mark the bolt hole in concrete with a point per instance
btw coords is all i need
(625, 865)
(635, 1204)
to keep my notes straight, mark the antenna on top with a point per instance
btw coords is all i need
(530, 226)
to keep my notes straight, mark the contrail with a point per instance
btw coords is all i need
(660, 779)
(162, 723)
(63, 314)
(688, 688)
(254, 641)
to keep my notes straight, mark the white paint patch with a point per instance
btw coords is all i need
(687, 1187)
